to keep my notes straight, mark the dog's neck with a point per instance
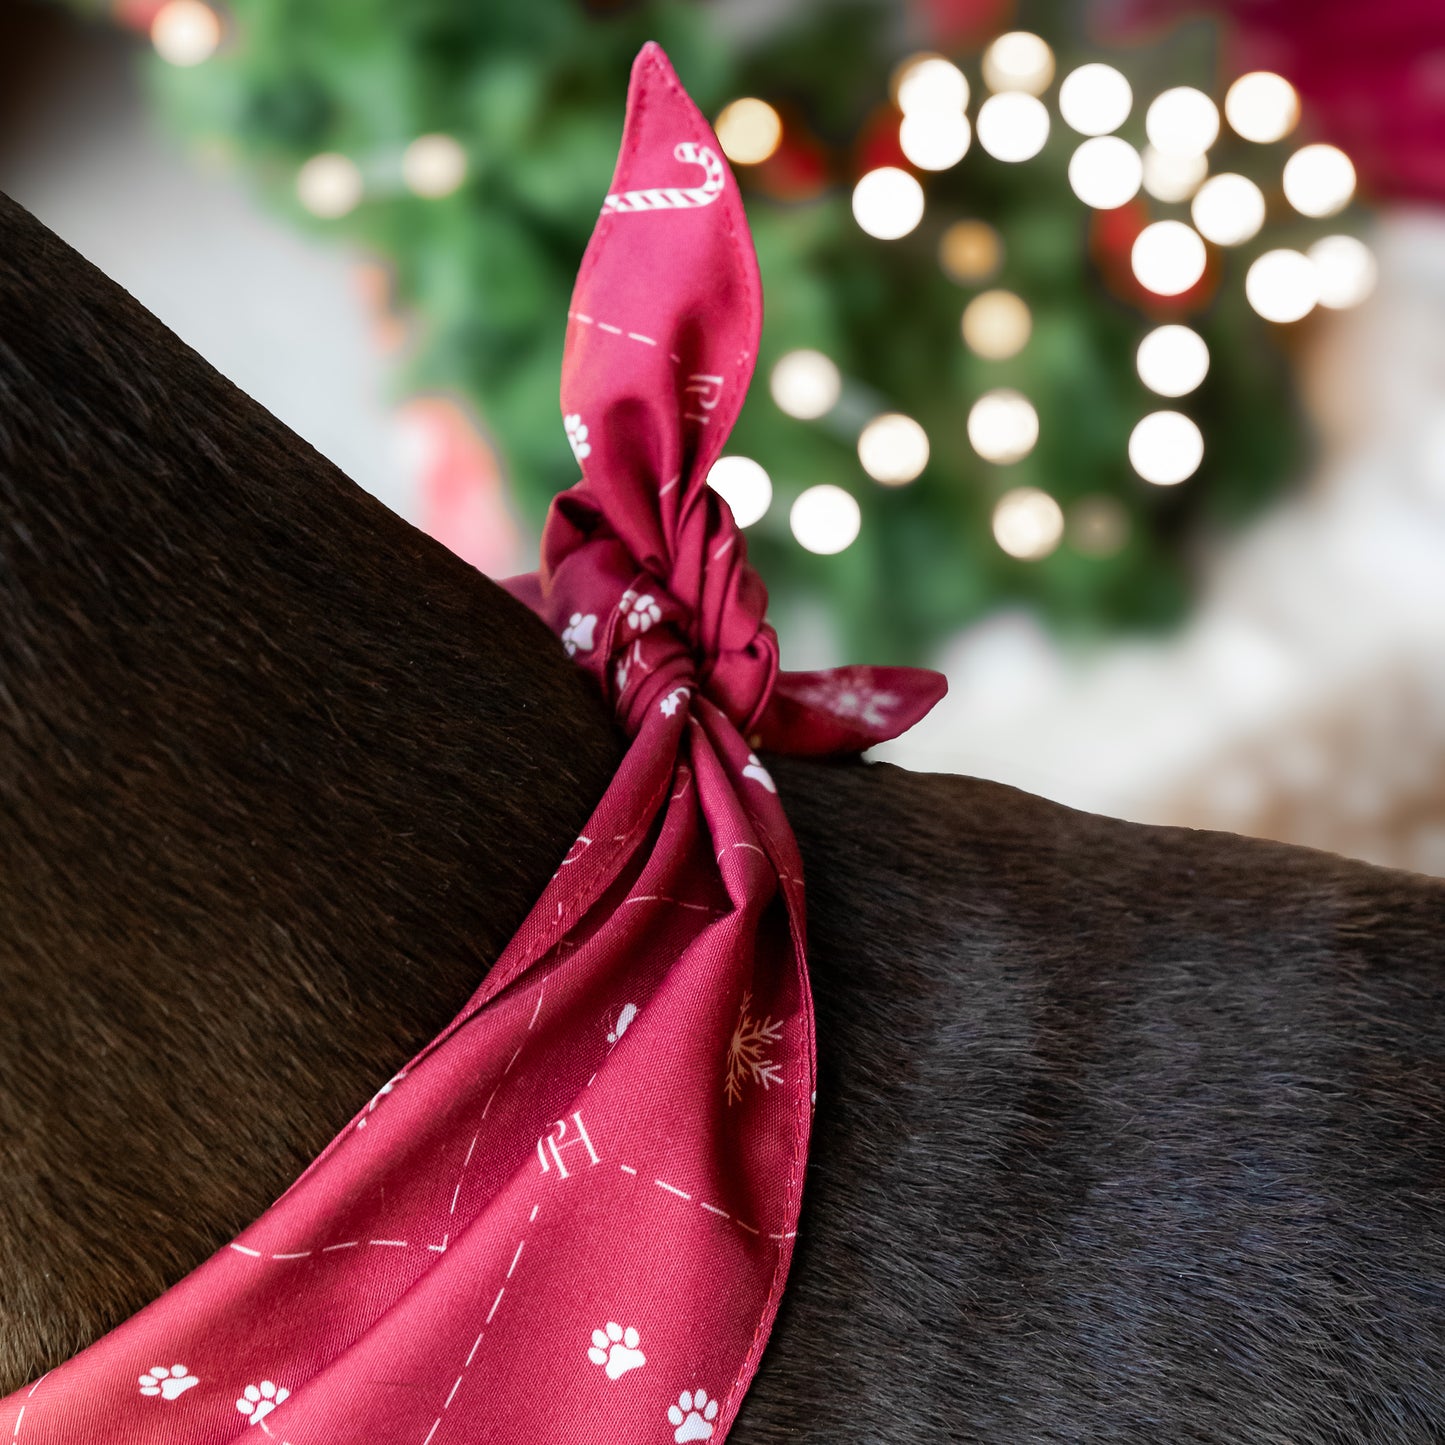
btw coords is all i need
(229, 678)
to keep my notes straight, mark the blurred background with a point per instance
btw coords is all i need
(1103, 361)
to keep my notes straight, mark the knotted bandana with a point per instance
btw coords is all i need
(570, 1217)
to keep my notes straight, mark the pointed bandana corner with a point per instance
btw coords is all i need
(571, 1216)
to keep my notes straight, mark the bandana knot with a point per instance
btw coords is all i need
(653, 644)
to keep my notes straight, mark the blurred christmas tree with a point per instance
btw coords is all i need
(469, 145)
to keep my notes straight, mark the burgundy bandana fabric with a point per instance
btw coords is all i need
(570, 1218)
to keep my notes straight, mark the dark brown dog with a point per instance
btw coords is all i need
(1123, 1134)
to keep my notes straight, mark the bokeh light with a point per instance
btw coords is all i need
(887, 203)
(1262, 106)
(1018, 61)
(434, 165)
(744, 485)
(1228, 209)
(1095, 99)
(185, 32)
(329, 185)
(929, 82)
(1028, 523)
(1173, 178)
(934, 139)
(970, 252)
(1319, 180)
(1346, 270)
(749, 130)
(1182, 122)
(825, 519)
(1166, 448)
(1282, 285)
(996, 325)
(1168, 258)
(1003, 426)
(1172, 360)
(805, 384)
(1105, 172)
(893, 449)
(1098, 526)
(1013, 126)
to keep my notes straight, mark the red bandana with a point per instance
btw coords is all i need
(570, 1217)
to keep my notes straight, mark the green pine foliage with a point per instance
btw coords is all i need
(534, 91)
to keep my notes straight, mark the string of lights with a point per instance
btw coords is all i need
(1168, 257)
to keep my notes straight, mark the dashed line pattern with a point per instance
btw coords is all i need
(702, 1204)
(612, 330)
(477, 1343)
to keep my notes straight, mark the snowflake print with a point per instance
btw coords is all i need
(847, 699)
(577, 636)
(641, 612)
(670, 704)
(577, 436)
(748, 1050)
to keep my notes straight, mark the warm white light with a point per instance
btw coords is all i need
(1172, 360)
(749, 130)
(1018, 61)
(1027, 523)
(744, 486)
(1003, 426)
(1228, 209)
(185, 32)
(1282, 285)
(1165, 448)
(805, 384)
(825, 519)
(329, 185)
(1105, 172)
(893, 449)
(1095, 99)
(1319, 180)
(931, 83)
(1168, 258)
(970, 251)
(1098, 526)
(1173, 178)
(996, 325)
(1346, 269)
(1182, 122)
(1013, 126)
(434, 165)
(934, 139)
(888, 203)
(1262, 106)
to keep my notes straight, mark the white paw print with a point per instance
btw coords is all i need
(259, 1400)
(577, 635)
(617, 1349)
(577, 436)
(759, 773)
(693, 1415)
(167, 1383)
(642, 611)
